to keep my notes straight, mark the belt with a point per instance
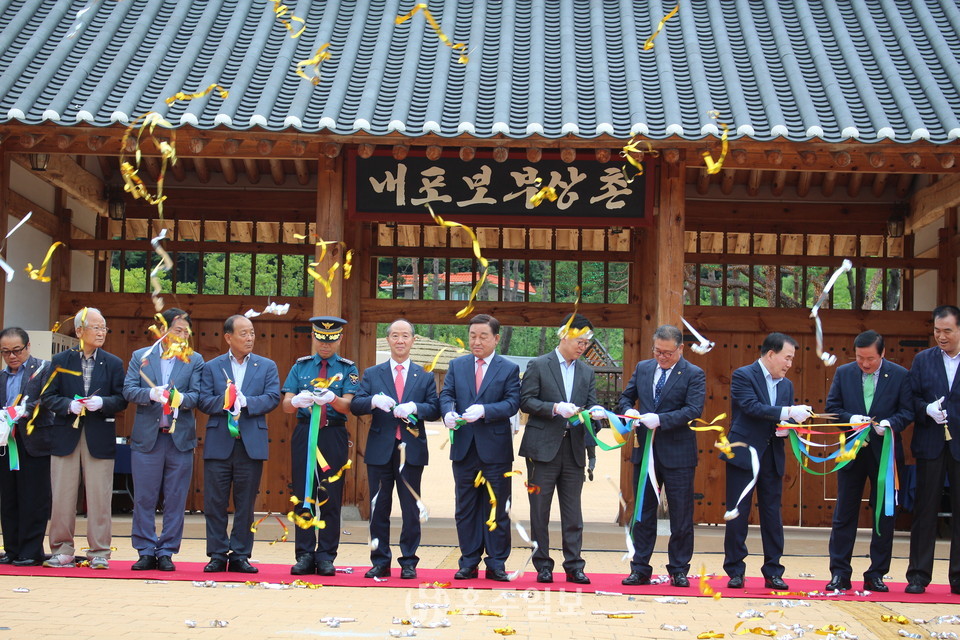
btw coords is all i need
(324, 426)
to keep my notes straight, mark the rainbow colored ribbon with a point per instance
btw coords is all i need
(846, 452)
(12, 451)
(647, 473)
(229, 400)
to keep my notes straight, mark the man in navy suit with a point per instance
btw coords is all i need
(875, 387)
(481, 392)
(89, 402)
(236, 443)
(761, 397)
(162, 442)
(669, 392)
(401, 396)
(936, 410)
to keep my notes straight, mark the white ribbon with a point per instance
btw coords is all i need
(827, 358)
(705, 345)
(755, 463)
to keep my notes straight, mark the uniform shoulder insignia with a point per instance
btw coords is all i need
(344, 360)
(354, 378)
(304, 358)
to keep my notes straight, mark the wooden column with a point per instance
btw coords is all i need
(947, 272)
(61, 263)
(330, 225)
(4, 190)
(670, 226)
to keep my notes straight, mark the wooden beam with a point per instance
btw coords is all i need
(846, 322)
(42, 220)
(929, 204)
(509, 313)
(228, 170)
(803, 183)
(853, 184)
(303, 171)
(787, 217)
(947, 272)
(828, 183)
(203, 173)
(209, 200)
(670, 225)
(804, 260)
(330, 223)
(252, 170)
(276, 170)
(79, 183)
(880, 184)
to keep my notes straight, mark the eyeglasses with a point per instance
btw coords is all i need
(102, 329)
(12, 352)
(664, 354)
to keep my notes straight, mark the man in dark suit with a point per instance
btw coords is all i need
(668, 392)
(392, 392)
(871, 386)
(25, 490)
(236, 442)
(83, 436)
(162, 441)
(554, 388)
(481, 392)
(761, 397)
(936, 410)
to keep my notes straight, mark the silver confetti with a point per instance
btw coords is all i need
(673, 627)
(670, 600)
(154, 582)
(607, 593)
(431, 605)
(406, 633)
(217, 624)
(344, 569)
(21, 590)
(191, 624)
(378, 579)
(906, 634)
(206, 584)
(750, 613)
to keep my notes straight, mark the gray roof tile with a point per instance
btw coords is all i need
(838, 70)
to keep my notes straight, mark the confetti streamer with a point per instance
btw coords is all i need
(714, 166)
(627, 152)
(46, 385)
(705, 588)
(38, 274)
(704, 345)
(314, 64)
(476, 251)
(566, 331)
(3, 263)
(828, 359)
(230, 396)
(480, 480)
(273, 307)
(282, 538)
(180, 95)
(755, 467)
(166, 264)
(649, 43)
(631, 549)
(460, 46)
(78, 24)
(130, 172)
(282, 10)
(545, 192)
(436, 358)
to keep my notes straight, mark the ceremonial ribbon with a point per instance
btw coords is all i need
(460, 46)
(476, 251)
(172, 407)
(312, 454)
(281, 10)
(229, 400)
(13, 452)
(314, 63)
(704, 345)
(621, 430)
(165, 264)
(302, 521)
(886, 480)
(46, 385)
(545, 192)
(647, 474)
(649, 43)
(715, 166)
(37, 274)
(755, 467)
(479, 480)
(83, 410)
(846, 452)
(283, 538)
(828, 359)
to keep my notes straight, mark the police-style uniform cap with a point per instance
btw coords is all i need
(327, 328)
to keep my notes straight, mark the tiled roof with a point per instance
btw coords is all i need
(465, 278)
(837, 70)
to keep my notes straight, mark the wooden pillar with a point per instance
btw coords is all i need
(60, 265)
(947, 271)
(4, 189)
(360, 238)
(330, 225)
(670, 226)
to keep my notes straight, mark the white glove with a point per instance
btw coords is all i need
(473, 413)
(781, 433)
(650, 420)
(565, 409)
(450, 420)
(302, 400)
(934, 411)
(598, 413)
(156, 393)
(860, 419)
(93, 403)
(383, 402)
(403, 411)
(799, 413)
(881, 427)
(19, 411)
(241, 400)
(324, 397)
(76, 407)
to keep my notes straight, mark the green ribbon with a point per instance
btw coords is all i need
(886, 490)
(584, 417)
(233, 424)
(644, 476)
(800, 452)
(311, 470)
(13, 452)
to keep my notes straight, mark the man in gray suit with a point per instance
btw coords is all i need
(554, 388)
(236, 442)
(163, 440)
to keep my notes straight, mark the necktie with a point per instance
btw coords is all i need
(659, 388)
(398, 385)
(869, 386)
(480, 364)
(323, 407)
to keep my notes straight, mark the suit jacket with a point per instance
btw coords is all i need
(754, 420)
(541, 387)
(892, 399)
(419, 388)
(500, 396)
(681, 400)
(261, 387)
(100, 426)
(928, 382)
(38, 442)
(146, 425)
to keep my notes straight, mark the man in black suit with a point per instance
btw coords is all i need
(393, 392)
(236, 443)
(668, 392)
(481, 392)
(24, 490)
(936, 410)
(761, 397)
(554, 388)
(875, 387)
(84, 396)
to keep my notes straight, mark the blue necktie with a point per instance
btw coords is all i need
(659, 388)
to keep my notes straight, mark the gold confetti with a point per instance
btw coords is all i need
(37, 274)
(649, 43)
(180, 95)
(314, 64)
(715, 166)
(460, 47)
(166, 264)
(282, 538)
(132, 183)
(476, 251)
(628, 152)
(281, 10)
(545, 192)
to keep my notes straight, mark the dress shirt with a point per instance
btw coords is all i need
(86, 367)
(239, 368)
(663, 372)
(950, 364)
(567, 370)
(406, 369)
(13, 384)
(772, 390)
(166, 368)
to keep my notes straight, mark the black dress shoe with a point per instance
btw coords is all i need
(378, 571)
(915, 588)
(838, 583)
(408, 573)
(326, 568)
(735, 582)
(6, 559)
(498, 575)
(679, 580)
(875, 584)
(954, 588)
(466, 573)
(27, 562)
(545, 575)
(216, 565)
(775, 582)
(577, 577)
(635, 578)
(165, 563)
(304, 567)
(242, 565)
(145, 563)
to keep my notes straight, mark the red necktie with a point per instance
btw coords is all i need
(479, 374)
(323, 407)
(398, 385)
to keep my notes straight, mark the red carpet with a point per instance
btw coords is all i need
(193, 571)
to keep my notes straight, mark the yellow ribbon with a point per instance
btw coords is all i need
(461, 47)
(339, 473)
(132, 183)
(180, 95)
(46, 385)
(314, 63)
(886, 617)
(705, 588)
(631, 148)
(706, 635)
(281, 10)
(715, 166)
(505, 631)
(649, 43)
(324, 383)
(37, 274)
(282, 538)
(545, 192)
(830, 629)
(722, 444)
(476, 251)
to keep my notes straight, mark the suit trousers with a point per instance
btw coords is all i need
(678, 485)
(241, 474)
(923, 533)
(565, 476)
(473, 510)
(98, 491)
(24, 505)
(382, 478)
(332, 441)
(167, 470)
(769, 491)
(846, 516)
